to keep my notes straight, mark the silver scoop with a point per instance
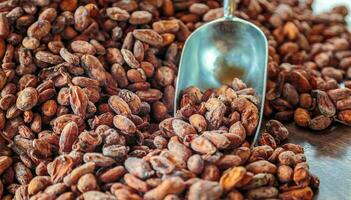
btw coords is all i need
(223, 49)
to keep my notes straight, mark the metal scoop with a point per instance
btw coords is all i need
(223, 49)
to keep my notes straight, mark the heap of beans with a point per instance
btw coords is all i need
(87, 92)
(202, 153)
(310, 62)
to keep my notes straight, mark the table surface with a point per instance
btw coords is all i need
(329, 156)
(328, 152)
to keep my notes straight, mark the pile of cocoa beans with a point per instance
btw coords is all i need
(309, 67)
(204, 152)
(87, 89)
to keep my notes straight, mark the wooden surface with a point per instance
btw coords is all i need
(329, 157)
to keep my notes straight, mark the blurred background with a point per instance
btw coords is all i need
(325, 5)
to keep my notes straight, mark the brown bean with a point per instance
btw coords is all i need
(173, 185)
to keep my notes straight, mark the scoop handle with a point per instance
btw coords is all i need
(229, 9)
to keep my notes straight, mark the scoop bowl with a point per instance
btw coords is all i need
(223, 49)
